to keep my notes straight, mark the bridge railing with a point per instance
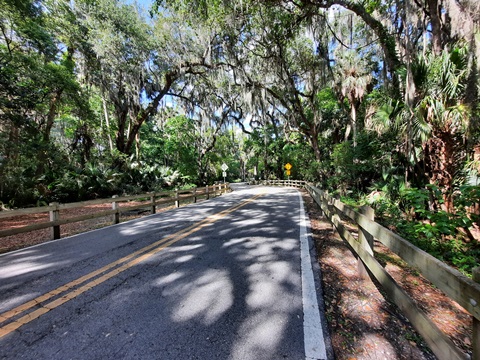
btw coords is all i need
(119, 205)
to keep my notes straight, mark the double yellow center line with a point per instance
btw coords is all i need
(74, 288)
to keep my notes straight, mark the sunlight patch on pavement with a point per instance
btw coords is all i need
(170, 278)
(208, 298)
(185, 248)
(185, 258)
(13, 270)
(261, 334)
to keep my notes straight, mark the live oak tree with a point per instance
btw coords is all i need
(405, 34)
(105, 69)
(135, 63)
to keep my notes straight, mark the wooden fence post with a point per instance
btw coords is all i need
(476, 323)
(54, 216)
(116, 216)
(206, 192)
(194, 195)
(177, 198)
(154, 207)
(366, 239)
(319, 198)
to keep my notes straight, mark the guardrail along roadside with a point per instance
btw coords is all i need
(119, 205)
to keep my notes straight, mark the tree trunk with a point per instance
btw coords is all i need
(107, 123)
(120, 137)
(52, 113)
(435, 21)
(137, 146)
(441, 166)
(140, 116)
(353, 114)
(316, 148)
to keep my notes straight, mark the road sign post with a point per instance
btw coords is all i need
(288, 167)
(224, 168)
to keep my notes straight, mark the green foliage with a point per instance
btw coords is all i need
(435, 231)
(81, 89)
(179, 146)
(438, 232)
(372, 5)
(342, 162)
(359, 167)
(207, 10)
(143, 177)
(88, 183)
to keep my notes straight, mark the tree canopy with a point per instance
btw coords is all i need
(373, 99)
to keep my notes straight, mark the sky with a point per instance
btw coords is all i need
(143, 3)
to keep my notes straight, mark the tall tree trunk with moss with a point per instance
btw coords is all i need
(441, 158)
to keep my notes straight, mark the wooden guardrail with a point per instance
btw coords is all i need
(461, 289)
(291, 183)
(154, 200)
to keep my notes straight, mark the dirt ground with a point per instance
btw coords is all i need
(363, 324)
(20, 241)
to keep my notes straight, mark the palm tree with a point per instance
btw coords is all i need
(353, 84)
(444, 108)
(435, 125)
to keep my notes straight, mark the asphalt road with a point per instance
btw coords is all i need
(228, 278)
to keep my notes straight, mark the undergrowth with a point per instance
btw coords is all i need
(418, 216)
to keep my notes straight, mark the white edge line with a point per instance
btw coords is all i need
(315, 347)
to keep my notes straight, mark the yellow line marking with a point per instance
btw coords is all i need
(127, 262)
(42, 298)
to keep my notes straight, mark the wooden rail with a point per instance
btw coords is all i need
(154, 200)
(461, 289)
(290, 183)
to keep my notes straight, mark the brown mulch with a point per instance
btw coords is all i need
(23, 240)
(363, 323)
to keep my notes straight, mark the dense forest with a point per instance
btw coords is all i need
(374, 100)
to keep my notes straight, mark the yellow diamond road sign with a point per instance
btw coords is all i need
(288, 166)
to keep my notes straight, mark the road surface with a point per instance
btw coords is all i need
(228, 278)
